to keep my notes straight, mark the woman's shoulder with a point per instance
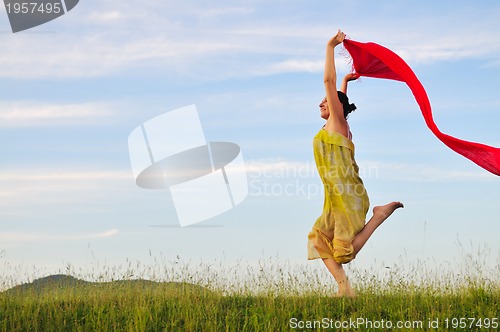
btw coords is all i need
(334, 138)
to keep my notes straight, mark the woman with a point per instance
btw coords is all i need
(340, 232)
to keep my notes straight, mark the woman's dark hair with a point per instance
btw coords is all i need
(348, 108)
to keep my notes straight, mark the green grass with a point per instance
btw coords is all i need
(269, 297)
(135, 306)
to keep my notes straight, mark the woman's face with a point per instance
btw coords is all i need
(323, 108)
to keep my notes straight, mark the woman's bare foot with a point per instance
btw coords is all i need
(381, 213)
(345, 294)
(345, 289)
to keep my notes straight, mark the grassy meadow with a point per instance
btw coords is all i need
(268, 296)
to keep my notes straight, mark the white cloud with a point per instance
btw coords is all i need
(30, 114)
(16, 237)
(37, 175)
(186, 40)
(301, 66)
(451, 47)
(110, 16)
(291, 66)
(228, 11)
(35, 187)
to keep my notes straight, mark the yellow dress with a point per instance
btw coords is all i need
(346, 201)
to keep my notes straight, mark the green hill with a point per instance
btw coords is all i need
(60, 283)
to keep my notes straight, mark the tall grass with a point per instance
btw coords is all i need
(270, 295)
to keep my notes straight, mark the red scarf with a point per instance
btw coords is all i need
(373, 60)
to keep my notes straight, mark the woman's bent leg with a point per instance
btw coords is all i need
(380, 214)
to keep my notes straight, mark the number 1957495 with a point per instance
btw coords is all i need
(34, 8)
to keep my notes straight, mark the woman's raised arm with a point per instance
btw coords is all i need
(336, 121)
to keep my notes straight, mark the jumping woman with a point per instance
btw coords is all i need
(340, 232)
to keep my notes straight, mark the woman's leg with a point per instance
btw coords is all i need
(338, 272)
(380, 214)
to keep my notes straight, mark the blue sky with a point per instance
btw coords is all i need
(73, 89)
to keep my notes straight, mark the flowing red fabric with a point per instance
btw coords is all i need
(373, 60)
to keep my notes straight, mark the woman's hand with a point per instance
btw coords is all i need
(348, 78)
(337, 39)
(351, 77)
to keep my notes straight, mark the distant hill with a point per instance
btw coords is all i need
(51, 282)
(61, 282)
